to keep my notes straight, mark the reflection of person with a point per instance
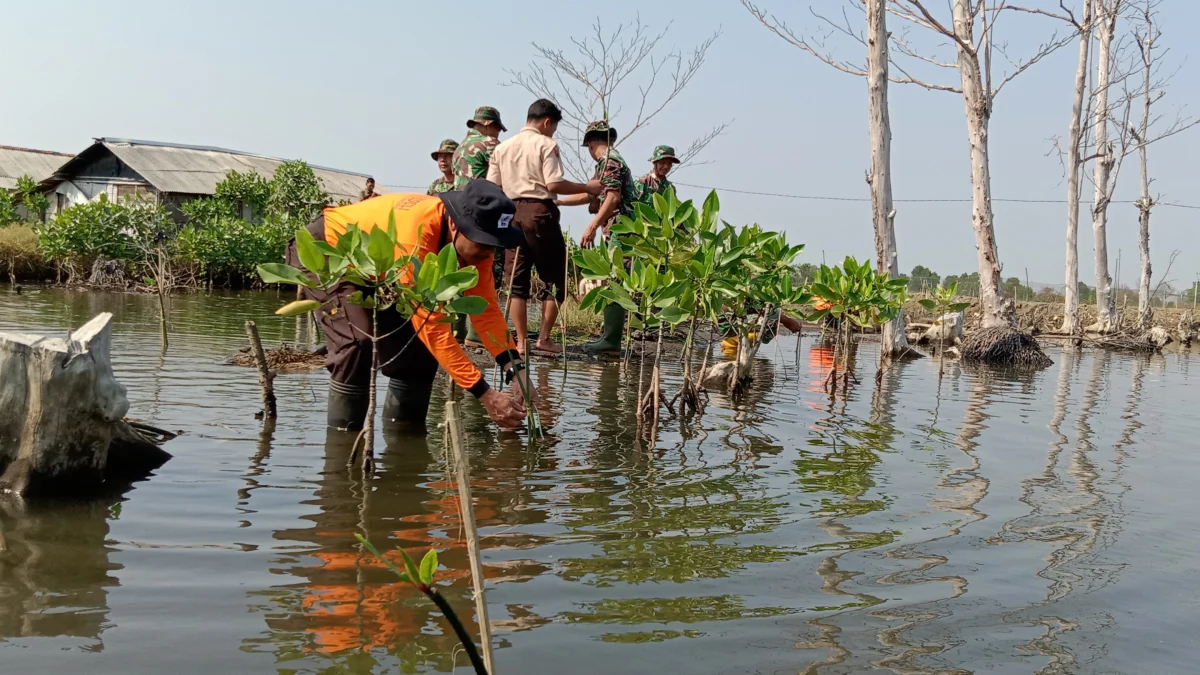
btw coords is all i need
(529, 169)
(368, 191)
(655, 182)
(477, 222)
(444, 157)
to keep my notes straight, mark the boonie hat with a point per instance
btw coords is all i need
(484, 215)
(486, 113)
(447, 147)
(599, 128)
(664, 152)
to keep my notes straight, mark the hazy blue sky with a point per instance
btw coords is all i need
(373, 86)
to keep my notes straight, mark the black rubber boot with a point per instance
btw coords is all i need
(406, 406)
(347, 406)
(614, 329)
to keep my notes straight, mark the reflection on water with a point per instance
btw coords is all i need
(973, 522)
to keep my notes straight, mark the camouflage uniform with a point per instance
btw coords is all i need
(649, 185)
(475, 152)
(447, 147)
(613, 172)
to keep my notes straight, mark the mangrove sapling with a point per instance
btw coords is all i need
(422, 579)
(387, 278)
(941, 303)
(857, 296)
(756, 266)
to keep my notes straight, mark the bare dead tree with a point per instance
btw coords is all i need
(1106, 167)
(1074, 164)
(1146, 35)
(879, 177)
(627, 76)
(969, 29)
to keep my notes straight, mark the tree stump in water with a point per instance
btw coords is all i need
(1003, 346)
(63, 411)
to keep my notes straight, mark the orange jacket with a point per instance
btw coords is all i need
(419, 222)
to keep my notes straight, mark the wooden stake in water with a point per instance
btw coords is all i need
(266, 378)
(467, 507)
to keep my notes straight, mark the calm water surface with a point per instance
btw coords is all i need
(980, 523)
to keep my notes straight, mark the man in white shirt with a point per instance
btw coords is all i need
(529, 169)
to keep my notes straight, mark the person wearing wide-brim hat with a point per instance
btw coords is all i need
(473, 155)
(443, 156)
(617, 198)
(655, 182)
(476, 221)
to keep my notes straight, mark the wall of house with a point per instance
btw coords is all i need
(83, 190)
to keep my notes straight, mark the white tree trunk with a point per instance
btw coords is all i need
(1145, 203)
(61, 405)
(976, 101)
(1071, 324)
(1105, 309)
(880, 179)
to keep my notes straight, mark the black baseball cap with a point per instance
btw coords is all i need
(484, 215)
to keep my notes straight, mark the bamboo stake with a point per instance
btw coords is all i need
(467, 508)
(266, 378)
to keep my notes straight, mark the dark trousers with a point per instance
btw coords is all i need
(348, 332)
(544, 249)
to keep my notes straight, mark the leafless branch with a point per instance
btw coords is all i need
(591, 83)
(1054, 44)
(1163, 279)
(815, 46)
(696, 148)
(931, 22)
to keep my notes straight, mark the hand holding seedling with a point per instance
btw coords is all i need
(506, 409)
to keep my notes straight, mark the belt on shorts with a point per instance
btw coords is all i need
(547, 202)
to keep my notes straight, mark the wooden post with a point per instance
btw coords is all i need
(266, 378)
(467, 507)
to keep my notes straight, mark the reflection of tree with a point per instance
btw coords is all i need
(966, 488)
(845, 471)
(1076, 506)
(55, 570)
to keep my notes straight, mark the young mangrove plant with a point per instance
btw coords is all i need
(941, 304)
(649, 290)
(854, 295)
(422, 579)
(755, 270)
(389, 278)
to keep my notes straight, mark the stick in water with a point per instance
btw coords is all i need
(266, 378)
(466, 506)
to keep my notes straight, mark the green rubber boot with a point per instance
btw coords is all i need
(614, 329)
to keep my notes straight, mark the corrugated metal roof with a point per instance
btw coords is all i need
(196, 170)
(38, 164)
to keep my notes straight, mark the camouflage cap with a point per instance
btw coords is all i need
(599, 128)
(486, 113)
(447, 147)
(664, 152)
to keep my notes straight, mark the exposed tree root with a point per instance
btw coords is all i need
(1003, 346)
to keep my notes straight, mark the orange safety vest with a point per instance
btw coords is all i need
(419, 222)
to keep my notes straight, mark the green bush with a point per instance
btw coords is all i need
(79, 235)
(249, 220)
(230, 247)
(8, 208)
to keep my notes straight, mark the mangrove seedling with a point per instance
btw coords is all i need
(755, 267)
(940, 304)
(422, 579)
(388, 277)
(855, 295)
